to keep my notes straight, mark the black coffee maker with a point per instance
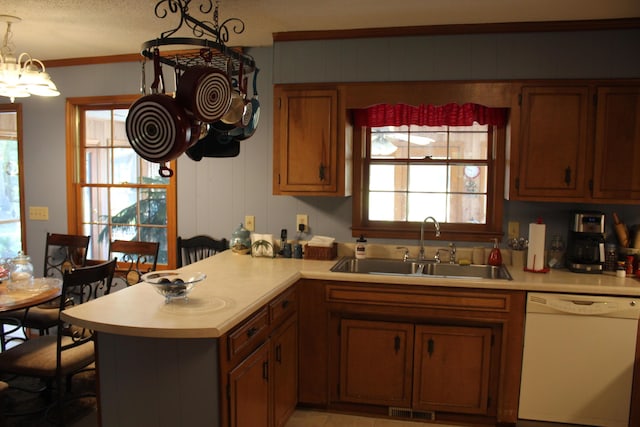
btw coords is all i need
(585, 249)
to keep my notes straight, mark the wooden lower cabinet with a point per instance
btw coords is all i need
(422, 367)
(375, 362)
(451, 369)
(284, 371)
(421, 352)
(259, 363)
(249, 390)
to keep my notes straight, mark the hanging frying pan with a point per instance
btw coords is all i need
(157, 127)
(247, 131)
(213, 146)
(205, 93)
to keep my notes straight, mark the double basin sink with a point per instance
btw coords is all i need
(420, 268)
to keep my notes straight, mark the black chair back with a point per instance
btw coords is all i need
(64, 252)
(134, 259)
(198, 248)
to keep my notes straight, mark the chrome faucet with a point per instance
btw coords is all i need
(436, 257)
(436, 224)
(452, 253)
(405, 254)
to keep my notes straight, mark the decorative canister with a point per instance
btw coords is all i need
(21, 268)
(241, 240)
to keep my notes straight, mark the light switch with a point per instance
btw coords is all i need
(250, 222)
(39, 213)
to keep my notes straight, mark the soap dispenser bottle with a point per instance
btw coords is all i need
(361, 247)
(495, 256)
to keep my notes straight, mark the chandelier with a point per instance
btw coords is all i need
(21, 76)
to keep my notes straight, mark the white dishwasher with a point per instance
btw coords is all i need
(579, 354)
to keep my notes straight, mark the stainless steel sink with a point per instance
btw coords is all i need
(419, 268)
(376, 266)
(480, 271)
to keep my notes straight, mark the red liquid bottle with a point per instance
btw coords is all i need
(495, 256)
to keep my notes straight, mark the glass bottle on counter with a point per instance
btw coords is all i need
(611, 257)
(556, 252)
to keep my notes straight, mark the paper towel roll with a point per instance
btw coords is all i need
(535, 255)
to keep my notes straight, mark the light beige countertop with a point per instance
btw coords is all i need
(237, 285)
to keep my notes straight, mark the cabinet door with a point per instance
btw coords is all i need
(305, 141)
(451, 369)
(617, 159)
(375, 362)
(553, 143)
(249, 390)
(285, 371)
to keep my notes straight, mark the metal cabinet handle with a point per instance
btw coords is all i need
(252, 331)
(567, 176)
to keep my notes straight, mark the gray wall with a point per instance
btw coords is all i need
(214, 195)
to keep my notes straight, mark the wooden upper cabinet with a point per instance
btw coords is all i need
(552, 144)
(617, 143)
(309, 152)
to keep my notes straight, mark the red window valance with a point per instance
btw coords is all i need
(429, 115)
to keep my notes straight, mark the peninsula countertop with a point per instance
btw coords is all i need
(237, 285)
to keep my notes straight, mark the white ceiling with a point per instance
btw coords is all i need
(59, 29)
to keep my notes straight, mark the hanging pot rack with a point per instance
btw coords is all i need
(208, 47)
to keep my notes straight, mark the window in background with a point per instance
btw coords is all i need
(118, 195)
(445, 170)
(11, 205)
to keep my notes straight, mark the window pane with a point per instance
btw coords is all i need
(149, 173)
(422, 205)
(388, 178)
(97, 128)
(428, 178)
(95, 208)
(389, 145)
(469, 145)
(469, 178)
(126, 165)
(119, 129)
(387, 206)
(123, 207)
(97, 166)
(467, 208)
(153, 206)
(156, 234)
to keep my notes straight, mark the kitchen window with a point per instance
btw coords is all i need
(437, 167)
(12, 227)
(115, 193)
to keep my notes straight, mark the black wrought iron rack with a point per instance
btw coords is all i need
(208, 47)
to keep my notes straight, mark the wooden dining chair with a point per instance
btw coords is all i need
(198, 248)
(56, 358)
(63, 253)
(134, 259)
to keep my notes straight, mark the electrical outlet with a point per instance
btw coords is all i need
(39, 213)
(250, 222)
(514, 230)
(304, 220)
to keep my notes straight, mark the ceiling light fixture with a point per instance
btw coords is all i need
(21, 76)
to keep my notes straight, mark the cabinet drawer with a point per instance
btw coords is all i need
(249, 334)
(283, 306)
(415, 297)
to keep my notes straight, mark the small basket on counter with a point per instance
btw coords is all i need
(323, 253)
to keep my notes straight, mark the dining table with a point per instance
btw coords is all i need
(16, 297)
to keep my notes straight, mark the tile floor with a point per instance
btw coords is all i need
(307, 418)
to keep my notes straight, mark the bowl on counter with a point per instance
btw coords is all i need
(172, 284)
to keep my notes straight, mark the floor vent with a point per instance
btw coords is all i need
(399, 412)
(409, 413)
